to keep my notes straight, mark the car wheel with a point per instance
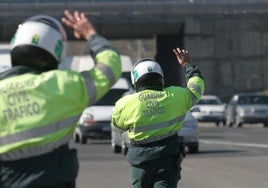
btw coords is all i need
(124, 149)
(224, 123)
(193, 149)
(240, 125)
(217, 123)
(237, 122)
(83, 140)
(76, 138)
(265, 125)
(116, 148)
(230, 124)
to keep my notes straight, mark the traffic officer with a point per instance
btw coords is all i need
(153, 116)
(40, 105)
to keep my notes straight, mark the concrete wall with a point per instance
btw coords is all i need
(227, 39)
(231, 51)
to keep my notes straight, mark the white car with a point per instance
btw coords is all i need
(210, 109)
(189, 131)
(247, 108)
(95, 120)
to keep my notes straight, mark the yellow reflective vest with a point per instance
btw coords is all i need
(38, 112)
(150, 115)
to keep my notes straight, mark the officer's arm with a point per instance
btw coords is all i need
(195, 83)
(107, 68)
(107, 61)
(117, 116)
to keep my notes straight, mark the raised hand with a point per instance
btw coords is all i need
(183, 56)
(81, 26)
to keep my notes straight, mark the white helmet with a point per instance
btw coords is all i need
(39, 42)
(144, 67)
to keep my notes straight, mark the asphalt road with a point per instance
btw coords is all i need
(228, 157)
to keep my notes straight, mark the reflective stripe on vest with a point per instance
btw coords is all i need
(106, 70)
(157, 126)
(196, 87)
(193, 97)
(34, 151)
(91, 88)
(36, 133)
(154, 138)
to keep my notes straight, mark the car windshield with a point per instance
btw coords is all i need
(253, 100)
(208, 101)
(111, 97)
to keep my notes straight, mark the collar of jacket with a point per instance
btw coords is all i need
(17, 70)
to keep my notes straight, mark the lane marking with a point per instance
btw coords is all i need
(234, 143)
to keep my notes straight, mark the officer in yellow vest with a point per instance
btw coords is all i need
(40, 105)
(153, 116)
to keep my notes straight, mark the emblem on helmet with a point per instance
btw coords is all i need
(35, 39)
(149, 69)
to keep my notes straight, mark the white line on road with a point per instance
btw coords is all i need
(234, 143)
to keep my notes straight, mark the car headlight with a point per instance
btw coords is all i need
(87, 118)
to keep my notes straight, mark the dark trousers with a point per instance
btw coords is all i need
(57, 169)
(160, 173)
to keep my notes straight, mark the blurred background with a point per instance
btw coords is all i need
(227, 39)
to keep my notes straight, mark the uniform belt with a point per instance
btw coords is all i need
(165, 141)
(62, 148)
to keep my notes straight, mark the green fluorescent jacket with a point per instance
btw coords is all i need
(38, 112)
(150, 116)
